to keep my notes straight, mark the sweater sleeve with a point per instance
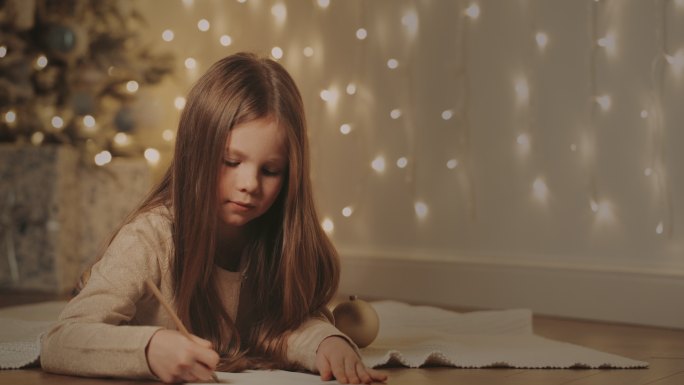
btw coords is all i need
(302, 344)
(93, 335)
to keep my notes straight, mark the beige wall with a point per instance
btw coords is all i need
(487, 208)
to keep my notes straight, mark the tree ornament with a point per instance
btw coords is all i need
(357, 319)
(66, 41)
(124, 119)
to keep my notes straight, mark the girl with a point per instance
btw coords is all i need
(231, 237)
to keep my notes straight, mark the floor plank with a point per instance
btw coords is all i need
(676, 379)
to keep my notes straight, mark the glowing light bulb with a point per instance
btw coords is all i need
(179, 102)
(190, 63)
(10, 116)
(522, 90)
(421, 209)
(594, 206)
(122, 139)
(326, 95)
(347, 211)
(604, 101)
(392, 63)
(648, 171)
(447, 114)
(378, 164)
(41, 62)
(132, 86)
(351, 89)
(542, 40)
(402, 162)
(395, 113)
(37, 138)
(473, 11)
(3, 51)
(323, 3)
(676, 60)
(168, 35)
(57, 122)
(540, 190)
(607, 42)
(452, 164)
(644, 114)
(89, 121)
(308, 51)
(203, 25)
(329, 96)
(659, 228)
(241, 1)
(226, 40)
(328, 225)
(603, 210)
(410, 21)
(277, 53)
(103, 158)
(345, 129)
(152, 155)
(279, 12)
(168, 135)
(361, 33)
(523, 141)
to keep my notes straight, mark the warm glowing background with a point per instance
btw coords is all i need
(529, 148)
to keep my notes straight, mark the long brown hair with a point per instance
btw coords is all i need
(293, 268)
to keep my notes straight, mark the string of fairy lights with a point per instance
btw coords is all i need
(656, 121)
(604, 43)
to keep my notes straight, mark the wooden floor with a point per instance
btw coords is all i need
(663, 348)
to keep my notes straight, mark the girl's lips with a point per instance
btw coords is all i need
(240, 206)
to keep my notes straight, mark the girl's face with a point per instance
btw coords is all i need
(254, 166)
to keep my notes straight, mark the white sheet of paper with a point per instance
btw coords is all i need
(264, 377)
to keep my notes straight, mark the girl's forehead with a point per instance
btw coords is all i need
(260, 137)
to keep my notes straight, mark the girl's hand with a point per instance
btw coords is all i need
(174, 358)
(335, 357)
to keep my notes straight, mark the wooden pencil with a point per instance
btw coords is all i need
(173, 315)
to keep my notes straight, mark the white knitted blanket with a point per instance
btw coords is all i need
(417, 335)
(21, 328)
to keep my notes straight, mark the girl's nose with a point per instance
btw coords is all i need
(248, 181)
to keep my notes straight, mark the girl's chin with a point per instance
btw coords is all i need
(234, 222)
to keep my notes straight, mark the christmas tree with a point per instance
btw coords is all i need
(70, 70)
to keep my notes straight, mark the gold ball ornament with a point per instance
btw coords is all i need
(357, 319)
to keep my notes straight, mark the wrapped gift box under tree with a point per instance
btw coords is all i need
(56, 211)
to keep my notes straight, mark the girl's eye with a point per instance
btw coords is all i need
(230, 163)
(269, 172)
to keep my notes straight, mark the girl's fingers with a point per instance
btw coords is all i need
(324, 368)
(362, 371)
(350, 369)
(377, 375)
(337, 367)
(199, 372)
(207, 357)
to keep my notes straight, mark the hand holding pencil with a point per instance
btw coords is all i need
(178, 356)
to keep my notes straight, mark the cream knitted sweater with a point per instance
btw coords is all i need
(105, 329)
